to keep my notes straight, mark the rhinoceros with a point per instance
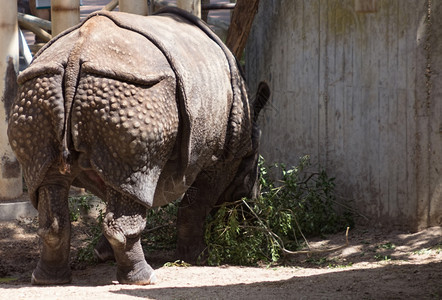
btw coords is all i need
(141, 111)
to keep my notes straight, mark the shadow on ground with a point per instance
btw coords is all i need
(389, 282)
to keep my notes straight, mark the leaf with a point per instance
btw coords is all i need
(7, 279)
(177, 263)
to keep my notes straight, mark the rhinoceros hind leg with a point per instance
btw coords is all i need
(103, 250)
(195, 206)
(190, 228)
(54, 231)
(122, 226)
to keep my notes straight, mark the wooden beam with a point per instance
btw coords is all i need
(217, 6)
(43, 35)
(138, 7)
(36, 25)
(192, 6)
(44, 24)
(240, 25)
(64, 14)
(111, 5)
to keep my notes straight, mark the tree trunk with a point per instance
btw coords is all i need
(240, 25)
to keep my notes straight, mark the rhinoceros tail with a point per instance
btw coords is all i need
(71, 78)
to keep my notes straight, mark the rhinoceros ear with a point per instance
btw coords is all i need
(262, 96)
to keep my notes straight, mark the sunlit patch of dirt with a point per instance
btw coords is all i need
(375, 265)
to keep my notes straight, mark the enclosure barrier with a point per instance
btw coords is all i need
(65, 14)
(10, 172)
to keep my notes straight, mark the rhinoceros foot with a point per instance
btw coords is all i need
(193, 254)
(51, 276)
(140, 274)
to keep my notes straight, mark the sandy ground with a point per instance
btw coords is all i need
(376, 265)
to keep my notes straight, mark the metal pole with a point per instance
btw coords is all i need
(10, 171)
(64, 14)
(192, 6)
(138, 7)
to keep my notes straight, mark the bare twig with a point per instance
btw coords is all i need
(319, 250)
(349, 208)
(308, 178)
(299, 227)
(156, 228)
(228, 203)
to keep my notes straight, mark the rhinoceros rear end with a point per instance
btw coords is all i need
(141, 111)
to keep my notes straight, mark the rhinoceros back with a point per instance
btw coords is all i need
(131, 72)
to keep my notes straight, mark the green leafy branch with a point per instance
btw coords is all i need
(297, 205)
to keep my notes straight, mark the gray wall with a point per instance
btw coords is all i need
(362, 94)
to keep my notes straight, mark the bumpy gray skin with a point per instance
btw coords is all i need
(141, 111)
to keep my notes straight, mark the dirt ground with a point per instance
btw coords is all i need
(376, 265)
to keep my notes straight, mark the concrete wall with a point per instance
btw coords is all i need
(362, 94)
